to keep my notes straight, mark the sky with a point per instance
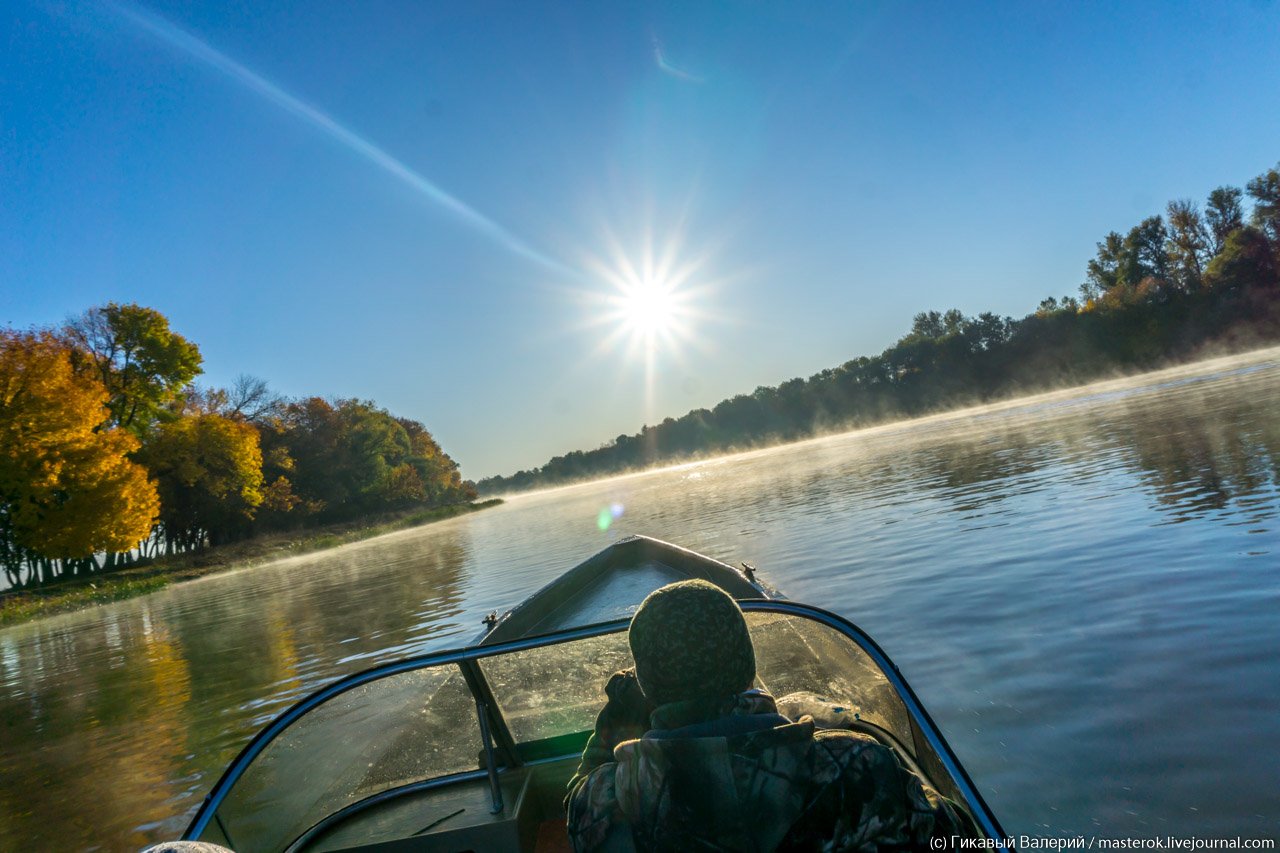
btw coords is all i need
(537, 226)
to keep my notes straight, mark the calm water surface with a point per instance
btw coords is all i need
(1084, 589)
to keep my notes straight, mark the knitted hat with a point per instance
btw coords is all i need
(689, 641)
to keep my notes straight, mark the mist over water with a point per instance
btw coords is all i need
(1083, 588)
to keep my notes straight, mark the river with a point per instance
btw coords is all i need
(1082, 587)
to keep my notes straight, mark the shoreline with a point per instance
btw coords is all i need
(27, 605)
(1014, 399)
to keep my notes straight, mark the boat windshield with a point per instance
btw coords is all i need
(417, 720)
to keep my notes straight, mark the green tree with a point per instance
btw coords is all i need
(1104, 270)
(1187, 245)
(1265, 190)
(931, 325)
(1145, 253)
(1125, 262)
(1246, 260)
(351, 457)
(1223, 214)
(144, 366)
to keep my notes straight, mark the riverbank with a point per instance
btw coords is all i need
(26, 604)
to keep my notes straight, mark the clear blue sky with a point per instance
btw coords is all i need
(419, 203)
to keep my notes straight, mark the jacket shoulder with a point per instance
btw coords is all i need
(864, 791)
(853, 752)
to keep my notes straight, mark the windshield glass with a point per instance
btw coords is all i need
(399, 729)
(420, 725)
(555, 690)
(796, 655)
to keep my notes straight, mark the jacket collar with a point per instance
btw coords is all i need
(692, 712)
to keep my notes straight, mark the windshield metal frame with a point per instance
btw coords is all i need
(973, 799)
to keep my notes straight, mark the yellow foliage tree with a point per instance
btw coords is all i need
(209, 471)
(67, 487)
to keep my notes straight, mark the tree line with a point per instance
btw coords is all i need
(1167, 288)
(109, 454)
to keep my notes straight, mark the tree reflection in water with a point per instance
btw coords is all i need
(124, 713)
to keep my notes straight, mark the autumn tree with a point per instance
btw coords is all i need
(351, 457)
(441, 480)
(340, 454)
(131, 350)
(67, 487)
(208, 469)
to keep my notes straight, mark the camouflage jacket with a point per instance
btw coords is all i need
(740, 776)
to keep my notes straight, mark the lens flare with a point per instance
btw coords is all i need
(608, 515)
(670, 68)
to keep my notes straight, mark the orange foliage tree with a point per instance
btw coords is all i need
(68, 489)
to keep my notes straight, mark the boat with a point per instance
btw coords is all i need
(471, 748)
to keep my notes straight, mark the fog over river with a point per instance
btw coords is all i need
(1083, 588)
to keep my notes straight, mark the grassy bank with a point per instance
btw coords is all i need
(26, 604)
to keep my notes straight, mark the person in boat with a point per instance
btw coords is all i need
(686, 755)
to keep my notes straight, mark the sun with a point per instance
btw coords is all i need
(648, 300)
(649, 310)
(649, 307)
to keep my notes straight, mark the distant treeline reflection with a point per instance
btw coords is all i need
(1166, 290)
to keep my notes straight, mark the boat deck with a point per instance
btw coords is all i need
(612, 595)
(612, 584)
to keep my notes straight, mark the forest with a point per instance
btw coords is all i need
(1169, 289)
(110, 455)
